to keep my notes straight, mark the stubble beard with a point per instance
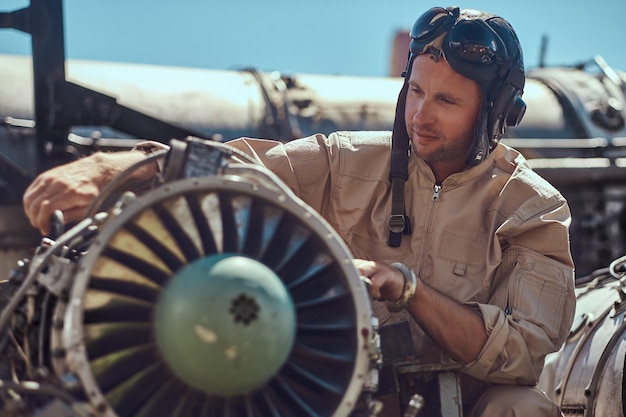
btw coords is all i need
(442, 149)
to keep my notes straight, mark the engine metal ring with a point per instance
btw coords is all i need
(108, 334)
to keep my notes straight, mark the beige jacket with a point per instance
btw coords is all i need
(494, 236)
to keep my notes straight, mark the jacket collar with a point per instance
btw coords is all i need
(460, 178)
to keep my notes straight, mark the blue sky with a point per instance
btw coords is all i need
(346, 37)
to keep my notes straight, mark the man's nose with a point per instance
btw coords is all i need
(423, 113)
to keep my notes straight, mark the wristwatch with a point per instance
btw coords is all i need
(410, 282)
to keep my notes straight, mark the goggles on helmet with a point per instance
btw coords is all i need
(471, 47)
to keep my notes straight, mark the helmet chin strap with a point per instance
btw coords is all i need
(399, 223)
(480, 145)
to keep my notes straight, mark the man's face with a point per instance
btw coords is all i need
(441, 111)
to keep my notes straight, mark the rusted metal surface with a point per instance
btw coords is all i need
(586, 377)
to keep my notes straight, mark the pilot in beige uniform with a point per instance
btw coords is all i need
(466, 248)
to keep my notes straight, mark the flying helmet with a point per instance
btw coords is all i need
(482, 47)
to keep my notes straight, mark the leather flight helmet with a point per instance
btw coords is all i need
(482, 47)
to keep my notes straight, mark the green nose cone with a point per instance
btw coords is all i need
(225, 324)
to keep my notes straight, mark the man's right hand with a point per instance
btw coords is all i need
(72, 187)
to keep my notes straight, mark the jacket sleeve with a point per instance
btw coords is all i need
(304, 165)
(532, 302)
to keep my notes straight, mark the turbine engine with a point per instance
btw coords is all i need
(215, 293)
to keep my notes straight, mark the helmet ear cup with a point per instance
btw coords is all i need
(507, 109)
(516, 112)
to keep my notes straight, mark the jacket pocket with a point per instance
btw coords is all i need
(379, 251)
(539, 299)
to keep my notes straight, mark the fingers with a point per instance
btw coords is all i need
(73, 186)
(367, 269)
(368, 284)
(50, 192)
(30, 195)
(385, 282)
(37, 205)
(72, 208)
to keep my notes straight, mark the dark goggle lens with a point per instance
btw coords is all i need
(429, 22)
(472, 42)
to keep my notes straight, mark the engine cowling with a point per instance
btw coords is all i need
(586, 377)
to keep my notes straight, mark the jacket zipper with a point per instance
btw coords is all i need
(436, 190)
(507, 309)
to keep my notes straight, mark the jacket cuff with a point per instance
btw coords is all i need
(497, 330)
(151, 146)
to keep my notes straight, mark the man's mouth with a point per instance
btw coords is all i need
(424, 136)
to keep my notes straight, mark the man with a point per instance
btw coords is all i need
(460, 239)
